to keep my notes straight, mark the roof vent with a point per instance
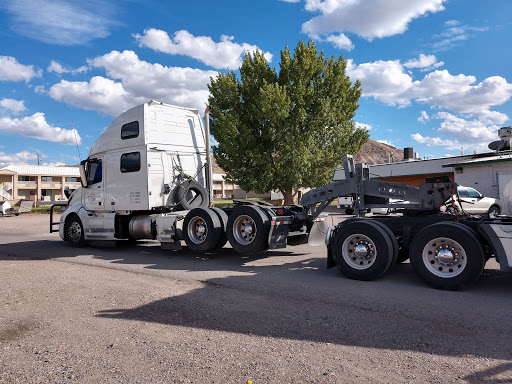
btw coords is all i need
(505, 134)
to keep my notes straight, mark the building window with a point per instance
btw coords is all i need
(72, 179)
(23, 178)
(130, 162)
(46, 179)
(130, 130)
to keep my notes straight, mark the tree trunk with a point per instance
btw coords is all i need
(288, 197)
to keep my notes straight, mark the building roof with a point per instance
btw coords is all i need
(498, 158)
(43, 170)
(5, 171)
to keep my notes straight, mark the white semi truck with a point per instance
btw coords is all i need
(149, 176)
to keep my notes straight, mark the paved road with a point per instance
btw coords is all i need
(138, 313)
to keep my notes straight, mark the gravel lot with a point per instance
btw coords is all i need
(139, 314)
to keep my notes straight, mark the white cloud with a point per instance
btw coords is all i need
(99, 94)
(464, 104)
(61, 22)
(466, 131)
(385, 142)
(59, 69)
(423, 117)
(36, 126)
(388, 82)
(40, 89)
(140, 82)
(458, 94)
(454, 35)
(366, 18)
(383, 80)
(222, 55)
(16, 106)
(469, 134)
(11, 70)
(19, 158)
(424, 62)
(340, 41)
(436, 141)
(368, 127)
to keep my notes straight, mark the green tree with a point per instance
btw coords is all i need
(288, 130)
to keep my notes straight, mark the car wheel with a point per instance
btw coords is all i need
(494, 211)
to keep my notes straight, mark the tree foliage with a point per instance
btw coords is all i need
(288, 130)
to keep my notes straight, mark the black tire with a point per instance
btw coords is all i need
(297, 240)
(373, 261)
(248, 229)
(1, 214)
(459, 265)
(494, 211)
(190, 194)
(74, 232)
(223, 217)
(349, 211)
(394, 243)
(201, 230)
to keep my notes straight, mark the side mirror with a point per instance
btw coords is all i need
(66, 192)
(83, 177)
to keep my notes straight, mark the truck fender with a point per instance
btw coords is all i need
(75, 209)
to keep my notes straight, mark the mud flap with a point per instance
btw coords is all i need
(318, 232)
(278, 235)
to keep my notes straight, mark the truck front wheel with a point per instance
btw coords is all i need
(362, 250)
(447, 255)
(75, 232)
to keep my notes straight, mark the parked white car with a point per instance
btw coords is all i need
(472, 201)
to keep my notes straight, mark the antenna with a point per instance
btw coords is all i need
(38, 159)
(76, 141)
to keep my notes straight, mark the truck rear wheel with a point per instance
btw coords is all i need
(362, 250)
(201, 230)
(447, 255)
(223, 218)
(74, 232)
(248, 229)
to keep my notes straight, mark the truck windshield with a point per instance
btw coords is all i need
(94, 172)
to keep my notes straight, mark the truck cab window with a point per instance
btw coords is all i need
(130, 130)
(94, 172)
(130, 162)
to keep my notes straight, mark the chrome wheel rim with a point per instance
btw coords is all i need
(197, 230)
(244, 230)
(75, 232)
(444, 257)
(359, 251)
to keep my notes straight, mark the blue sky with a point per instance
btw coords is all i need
(436, 74)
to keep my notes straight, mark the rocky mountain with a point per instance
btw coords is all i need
(374, 152)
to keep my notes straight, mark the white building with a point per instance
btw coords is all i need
(37, 183)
